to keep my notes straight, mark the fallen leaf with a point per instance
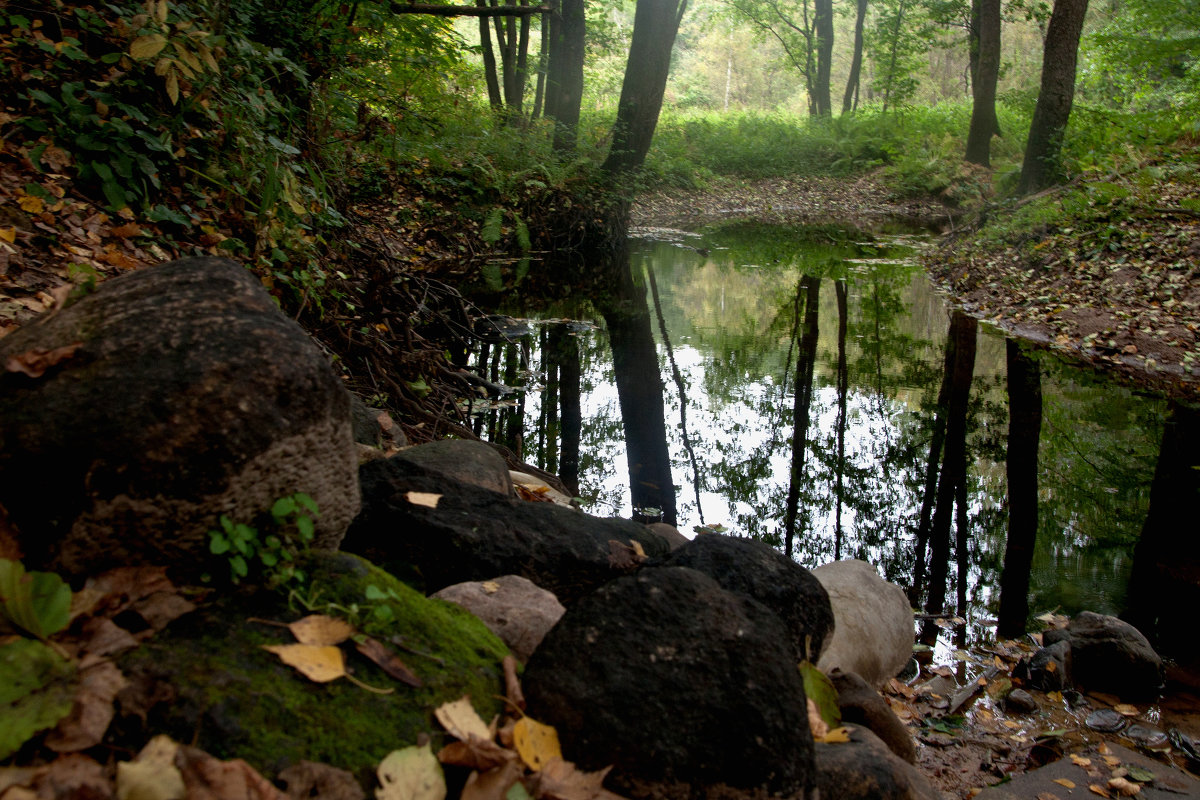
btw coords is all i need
(1100, 790)
(461, 721)
(127, 230)
(207, 778)
(1104, 749)
(1124, 787)
(153, 774)
(821, 692)
(321, 630)
(537, 744)
(835, 736)
(1047, 796)
(310, 779)
(1065, 783)
(561, 780)
(31, 204)
(816, 725)
(1080, 761)
(490, 587)
(427, 499)
(411, 774)
(512, 684)
(8, 235)
(84, 727)
(317, 663)
(493, 784)
(1126, 710)
(387, 660)
(1141, 774)
(35, 362)
(475, 753)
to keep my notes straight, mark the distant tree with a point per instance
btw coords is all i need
(1042, 166)
(897, 47)
(985, 74)
(655, 25)
(850, 98)
(792, 23)
(823, 23)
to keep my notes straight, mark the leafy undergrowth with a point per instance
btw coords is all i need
(1105, 267)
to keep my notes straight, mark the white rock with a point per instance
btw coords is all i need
(514, 608)
(873, 623)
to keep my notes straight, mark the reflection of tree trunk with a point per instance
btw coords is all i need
(936, 440)
(565, 351)
(680, 387)
(1024, 432)
(1164, 588)
(640, 391)
(805, 361)
(843, 385)
(954, 462)
(547, 430)
(514, 415)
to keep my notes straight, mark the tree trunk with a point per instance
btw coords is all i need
(843, 388)
(849, 99)
(894, 56)
(983, 85)
(564, 76)
(1042, 167)
(1024, 431)
(495, 100)
(823, 22)
(802, 407)
(539, 94)
(654, 27)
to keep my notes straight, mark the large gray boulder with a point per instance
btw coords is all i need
(865, 769)
(873, 623)
(474, 463)
(755, 569)
(1109, 655)
(164, 399)
(674, 680)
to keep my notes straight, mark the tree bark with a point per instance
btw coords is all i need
(564, 75)
(1042, 167)
(823, 22)
(1024, 432)
(495, 99)
(849, 99)
(983, 83)
(655, 24)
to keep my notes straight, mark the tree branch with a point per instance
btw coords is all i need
(467, 11)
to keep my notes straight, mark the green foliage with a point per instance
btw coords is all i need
(36, 691)
(36, 602)
(291, 530)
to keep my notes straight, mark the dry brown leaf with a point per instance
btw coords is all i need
(153, 774)
(624, 557)
(321, 630)
(426, 499)
(206, 778)
(317, 663)
(388, 661)
(1104, 749)
(560, 780)
(816, 723)
(35, 362)
(84, 727)
(1098, 789)
(1048, 796)
(72, 775)
(492, 785)
(1126, 710)
(127, 230)
(161, 609)
(512, 684)
(1124, 787)
(105, 638)
(309, 779)
(835, 736)
(1064, 782)
(476, 753)
(462, 721)
(537, 744)
(1080, 761)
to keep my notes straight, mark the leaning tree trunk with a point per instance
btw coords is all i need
(1042, 166)
(849, 99)
(495, 100)
(654, 27)
(983, 83)
(823, 22)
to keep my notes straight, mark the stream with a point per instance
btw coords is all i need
(809, 387)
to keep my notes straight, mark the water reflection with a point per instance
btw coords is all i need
(808, 388)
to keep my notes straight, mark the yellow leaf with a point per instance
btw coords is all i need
(490, 587)
(173, 93)
(411, 774)
(1080, 761)
(153, 774)
(1100, 790)
(148, 46)
(1064, 782)
(207, 55)
(321, 630)
(427, 499)
(31, 204)
(1124, 787)
(835, 736)
(1126, 710)
(8, 234)
(536, 744)
(461, 720)
(160, 11)
(319, 664)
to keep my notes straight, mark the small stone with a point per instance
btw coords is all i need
(1105, 720)
(1020, 701)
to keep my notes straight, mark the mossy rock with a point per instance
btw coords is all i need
(216, 687)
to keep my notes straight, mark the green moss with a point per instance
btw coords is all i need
(235, 699)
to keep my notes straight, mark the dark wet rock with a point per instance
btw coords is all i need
(1020, 701)
(862, 705)
(1105, 720)
(1110, 655)
(873, 624)
(473, 463)
(373, 427)
(673, 679)
(513, 608)
(755, 569)
(865, 769)
(475, 535)
(1146, 736)
(1049, 669)
(670, 533)
(175, 394)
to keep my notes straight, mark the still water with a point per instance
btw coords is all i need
(810, 388)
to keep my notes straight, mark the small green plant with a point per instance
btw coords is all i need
(291, 531)
(36, 602)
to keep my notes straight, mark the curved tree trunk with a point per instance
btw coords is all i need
(986, 47)
(1042, 167)
(850, 98)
